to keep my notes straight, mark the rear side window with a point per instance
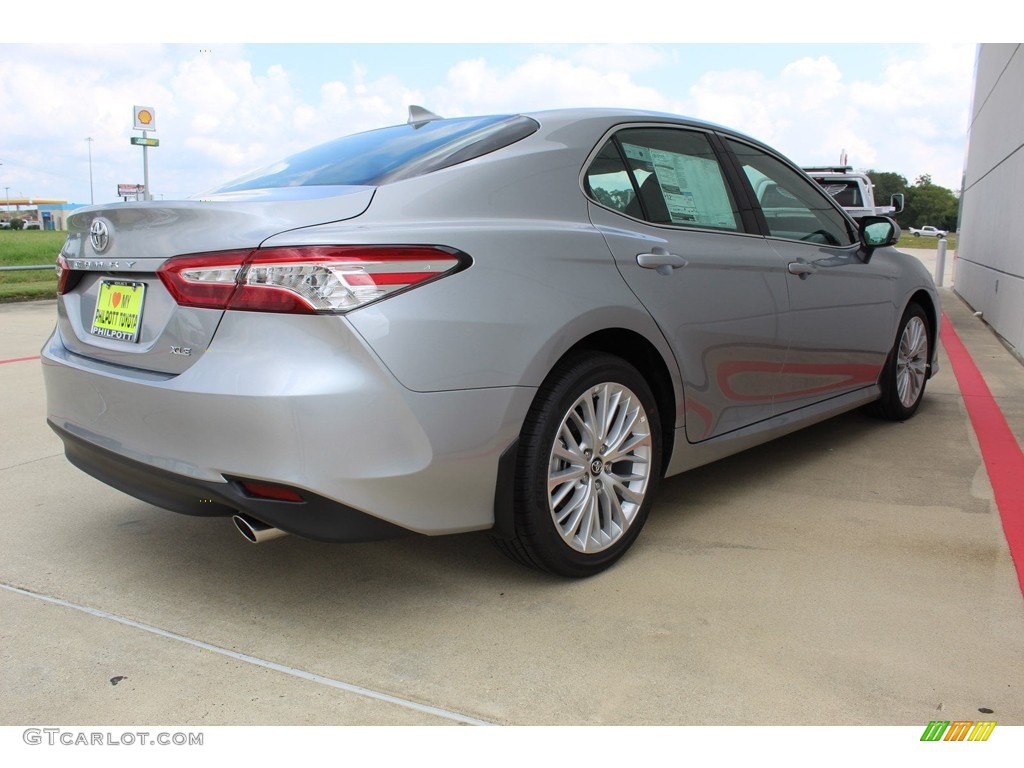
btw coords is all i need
(664, 176)
(389, 154)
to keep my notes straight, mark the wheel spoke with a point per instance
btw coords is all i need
(629, 449)
(567, 518)
(603, 408)
(559, 495)
(587, 523)
(623, 490)
(566, 476)
(616, 516)
(623, 427)
(586, 419)
(571, 451)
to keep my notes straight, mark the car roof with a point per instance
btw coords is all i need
(608, 114)
(595, 120)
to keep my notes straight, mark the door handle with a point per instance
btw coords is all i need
(660, 261)
(801, 269)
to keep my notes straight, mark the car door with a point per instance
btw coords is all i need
(841, 314)
(682, 243)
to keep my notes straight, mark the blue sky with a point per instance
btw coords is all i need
(226, 105)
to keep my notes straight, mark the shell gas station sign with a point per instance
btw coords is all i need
(145, 118)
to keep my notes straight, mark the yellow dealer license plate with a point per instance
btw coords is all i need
(119, 310)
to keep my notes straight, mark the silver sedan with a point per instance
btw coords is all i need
(513, 323)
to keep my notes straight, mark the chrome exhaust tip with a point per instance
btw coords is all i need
(254, 531)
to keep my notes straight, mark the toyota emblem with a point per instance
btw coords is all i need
(99, 235)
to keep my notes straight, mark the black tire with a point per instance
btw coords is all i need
(906, 371)
(579, 507)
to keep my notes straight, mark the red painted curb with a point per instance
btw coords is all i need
(19, 359)
(1004, 460)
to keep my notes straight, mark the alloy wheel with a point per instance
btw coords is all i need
(600, 467)
(912, 361)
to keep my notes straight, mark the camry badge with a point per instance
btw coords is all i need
(100, 264)
(99, 235)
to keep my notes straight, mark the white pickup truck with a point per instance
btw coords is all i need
(927, 232)
(853, 190)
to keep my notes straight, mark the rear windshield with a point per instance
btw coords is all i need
(846, 193)
(389, 154)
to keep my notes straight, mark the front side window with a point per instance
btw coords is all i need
(664, 176)
(794, 207)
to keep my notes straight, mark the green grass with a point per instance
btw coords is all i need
(909, 241)
(29, 247)
(28, 290)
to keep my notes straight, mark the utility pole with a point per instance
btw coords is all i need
(92, 199)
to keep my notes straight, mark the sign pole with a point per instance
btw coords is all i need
(145, 170)
(145, 121)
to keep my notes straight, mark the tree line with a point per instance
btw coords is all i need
(924, 202)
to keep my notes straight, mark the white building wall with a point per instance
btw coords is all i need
(989, 272)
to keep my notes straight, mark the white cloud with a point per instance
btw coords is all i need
(219, 117)
(811, 83)
(542, 81)
(738, 99)
(911, 120)
(622, 58)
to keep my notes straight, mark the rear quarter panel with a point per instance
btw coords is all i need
(541, 276)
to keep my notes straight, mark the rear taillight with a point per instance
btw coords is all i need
(303, 279)
(63, 274)
(67, 278)
(205, 280)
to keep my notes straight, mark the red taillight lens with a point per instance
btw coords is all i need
(63, 275)
(303, 279)
(205, 280)
(67, 278)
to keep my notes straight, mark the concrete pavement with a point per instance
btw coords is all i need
(853, 573)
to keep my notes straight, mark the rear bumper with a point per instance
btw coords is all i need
(296, 401)
(315, 518)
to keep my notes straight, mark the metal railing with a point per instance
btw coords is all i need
(26, 267)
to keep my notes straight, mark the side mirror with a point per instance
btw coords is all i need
(897, 203)
(877, 232)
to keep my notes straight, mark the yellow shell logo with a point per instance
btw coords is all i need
(145, 116)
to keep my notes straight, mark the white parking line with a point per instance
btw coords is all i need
(300, 673)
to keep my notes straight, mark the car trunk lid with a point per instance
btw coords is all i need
(117, 309)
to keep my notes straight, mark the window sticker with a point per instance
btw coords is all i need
(693, 188)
